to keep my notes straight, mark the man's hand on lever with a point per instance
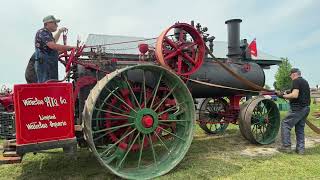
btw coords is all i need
(280, 94)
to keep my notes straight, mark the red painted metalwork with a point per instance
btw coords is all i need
(181, 55)
(147, 121)
(72, 59)
(143, 48)
(231, 113)
(235, 102)
(233, 109)
(114, 60)
(44, 112)
(7, 102)
(82, 82)
(246, 67)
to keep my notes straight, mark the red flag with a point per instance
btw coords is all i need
(253, 48)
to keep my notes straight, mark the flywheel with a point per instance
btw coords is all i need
(181, 49)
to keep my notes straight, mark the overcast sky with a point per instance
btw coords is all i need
(288, 28)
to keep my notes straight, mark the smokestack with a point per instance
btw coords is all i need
(233, 26)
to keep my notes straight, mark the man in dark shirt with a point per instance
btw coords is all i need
(299, 110)
(46, 49)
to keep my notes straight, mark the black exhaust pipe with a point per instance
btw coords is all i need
(234, 50)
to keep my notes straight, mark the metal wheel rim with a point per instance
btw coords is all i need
(176, 149)
(261, 121)
(213, 128)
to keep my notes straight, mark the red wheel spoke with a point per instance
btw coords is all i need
(170, 42)
(187, 46)
(171, 55)
(193, 52)
(167, 51)
(188, 58)
(181, 34)
(179, 64)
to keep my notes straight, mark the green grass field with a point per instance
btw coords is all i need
(210, 157)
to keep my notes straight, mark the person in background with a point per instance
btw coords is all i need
(299, 110)
(46, 49)
(30, 73)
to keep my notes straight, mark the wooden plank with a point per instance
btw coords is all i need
(10, 160)
(10, 154)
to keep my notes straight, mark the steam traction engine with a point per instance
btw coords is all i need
(137, 113)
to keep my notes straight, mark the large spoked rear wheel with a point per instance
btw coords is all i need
(139, 120)
(259, 120)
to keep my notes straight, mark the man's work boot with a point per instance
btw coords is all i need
(285, 149)
(300, 152)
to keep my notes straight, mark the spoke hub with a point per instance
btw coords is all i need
(213, 115)
(261, 120)
(147, 121)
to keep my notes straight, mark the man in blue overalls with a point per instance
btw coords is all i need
(46, 49)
